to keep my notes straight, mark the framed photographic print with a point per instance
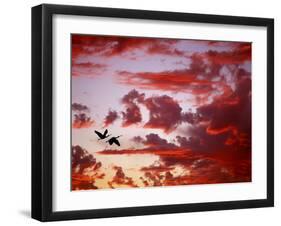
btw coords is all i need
(145, 112)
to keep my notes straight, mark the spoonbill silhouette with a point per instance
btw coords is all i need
(102, 135)
(113, 140)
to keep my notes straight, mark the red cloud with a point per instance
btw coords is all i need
(221, 130)
(153, 141)
(116, 45)
(160, 152)
(111, 117)
(198, 139)
(222, 125)
(164, 113)
(90, 44)
(164, 48)
(177, 80)
(215, 125)
(157, 167)
(79, 107)
(152, 179)
(155, 178)
(132, 114)
(240, 54)
(191, 118)
(82, 182)
(81, 158)
(138, 139)
(199, 78)
(81, 120)
(208, 171)
(231, 117)
(87, 69)
(121, 179)
(133, 97)
(200, 167)
(190, 143)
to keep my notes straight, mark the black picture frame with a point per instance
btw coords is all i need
(42, 197)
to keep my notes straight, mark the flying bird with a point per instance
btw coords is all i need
(113, 140)
(102, 135)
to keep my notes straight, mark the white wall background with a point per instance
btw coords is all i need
(15, 102)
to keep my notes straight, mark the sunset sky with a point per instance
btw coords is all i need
(183, 108)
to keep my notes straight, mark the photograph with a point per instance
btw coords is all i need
(152, 111)
(141, 112)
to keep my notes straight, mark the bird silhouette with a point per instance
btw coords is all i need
(113, 140)
(102, 135)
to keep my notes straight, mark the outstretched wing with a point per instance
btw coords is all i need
(100, 135)
(116, 142)
(110, 141)
(105, 132)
